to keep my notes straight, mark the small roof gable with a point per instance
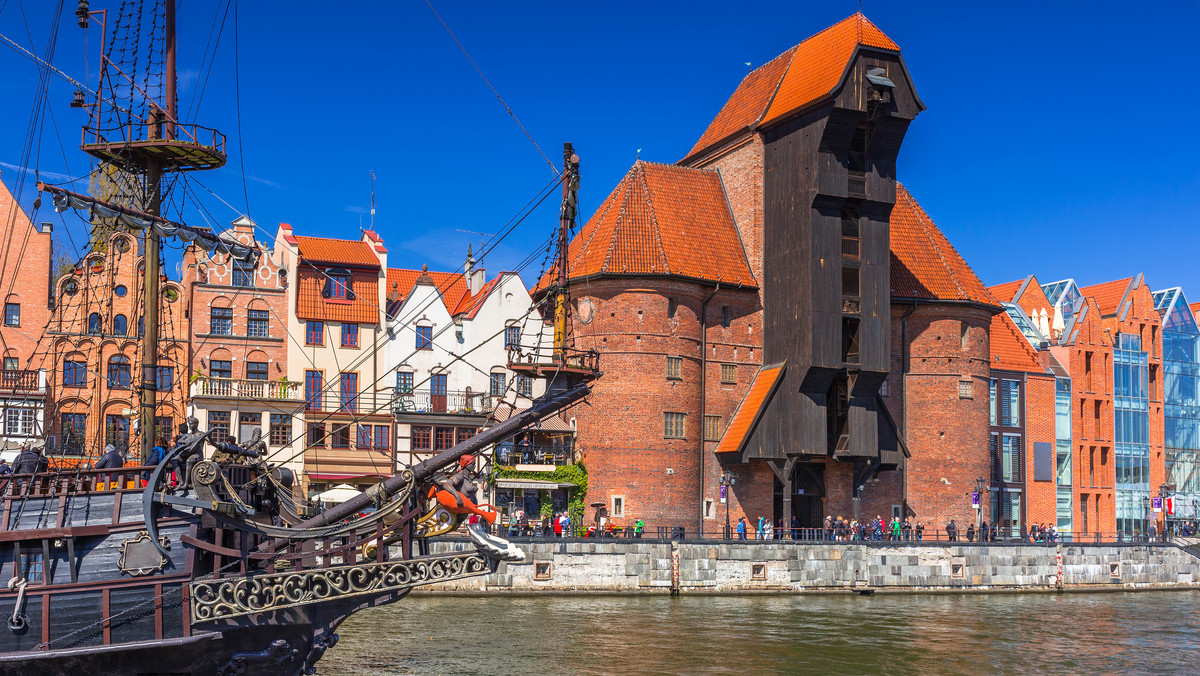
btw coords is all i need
(791, 81)
(469, 304)
(661, 220)
(924, 263)
(750, 410)
(452, 286)
(337, 251)
(1010, 350)
(1108, 295)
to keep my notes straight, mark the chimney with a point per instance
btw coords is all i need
(475, 276)
(45, 227)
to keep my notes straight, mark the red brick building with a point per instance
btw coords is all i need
(25, 284)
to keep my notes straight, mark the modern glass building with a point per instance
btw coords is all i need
(1062, 450)
(1181, 381)
(1132, 426)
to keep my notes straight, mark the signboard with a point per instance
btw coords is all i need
(723, 497)
(799, 491)
(975, 500)
(1156, 504)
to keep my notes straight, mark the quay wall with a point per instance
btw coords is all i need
(574, 566)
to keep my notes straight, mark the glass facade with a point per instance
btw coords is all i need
(1064, 293)
(1181, 381)
(1062, 452)
(1132, 427)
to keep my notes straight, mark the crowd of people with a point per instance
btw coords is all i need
(879, 529)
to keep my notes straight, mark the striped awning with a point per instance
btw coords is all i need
(533, 484)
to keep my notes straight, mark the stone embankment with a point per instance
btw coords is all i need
(660, 566)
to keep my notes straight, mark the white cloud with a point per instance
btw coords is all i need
(52, 175)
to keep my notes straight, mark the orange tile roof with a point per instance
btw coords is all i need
(310, 304)
(748, 412)
(1006, 293)
(1010, 350)
(1108, 295)
(924, 263)
(337, 251)
(469, 304)
(791, 81)
(1194, 307)
(451, 285)
(661, 220)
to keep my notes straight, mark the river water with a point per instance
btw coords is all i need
(1098, 633)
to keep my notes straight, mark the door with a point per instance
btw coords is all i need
(437, 392)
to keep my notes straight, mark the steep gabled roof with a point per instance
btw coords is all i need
(452, 286)
(1010, 350)
(661, 220)
(469, 304)
(924, 263)
(1108, 295)
(337, 251)
(791, 81)
(1007, 292)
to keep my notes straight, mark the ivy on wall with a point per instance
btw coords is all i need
(574, 474)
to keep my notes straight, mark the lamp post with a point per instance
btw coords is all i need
(1146, 517)
(727, 480)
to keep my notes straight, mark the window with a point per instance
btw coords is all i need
(382, 437)
(116, 431)
(313, 383)
(256, 324)
(314, 333)
(348, 392)
(966, 389)
(316, 434)
(74, 432)
(281, 429)
(247, 423)
(729, 373)
(443, 438)
(221, 321)
(18, 422)
(422, 438)
(164, 425)
(962, 335)
(164, 379)
(673, 425)
(404, 382)
(11, 364)
(256, 370)
(464, 433)
(675, 368)
(883, 388)
(218, 426)
(74, 374)
(341, 436)
(497, 383)
(850, 281)
(120, 290)
(712, 425)
(726, 316)
(220, 368)
(364, 436)
(339, 286)
(94, 324)
(672, 308)
(424, 337)
(33, 564)
(708, 508)
(618, 506)
(12, 314)
(524, 386)
(512, 337)
(120, 325)
(349, 335)
(850, 236)
(243, 273)
(850, 350)
(118, 372)
(141, 326)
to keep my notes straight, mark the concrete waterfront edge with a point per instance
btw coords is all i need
(556, 566)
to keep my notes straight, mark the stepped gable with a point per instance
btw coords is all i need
(793, 80)
(1010, 350)
(1108, 295)
(661, 220)
(924, 264)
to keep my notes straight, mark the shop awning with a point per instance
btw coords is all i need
(533, 484)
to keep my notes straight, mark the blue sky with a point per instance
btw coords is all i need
(1057, 138)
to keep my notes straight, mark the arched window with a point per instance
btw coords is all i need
(120, 325)
(118, 372)
(94, 323)
(141, 326)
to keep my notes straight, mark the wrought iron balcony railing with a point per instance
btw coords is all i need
(450, 402)
(334, 400)
(509, 454)
(247, 389)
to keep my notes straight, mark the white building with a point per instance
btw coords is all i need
(449, 340)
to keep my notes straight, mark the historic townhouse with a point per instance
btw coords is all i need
(238, 365)
(336, 348)
(25, 279)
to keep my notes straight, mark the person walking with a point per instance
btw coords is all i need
(741, 528)
(758, 532)
(897, 529)
(952, 531)
(639, 527)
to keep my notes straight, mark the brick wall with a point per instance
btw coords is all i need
(1040, 499)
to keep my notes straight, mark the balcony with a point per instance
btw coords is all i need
(333, 400)
(510, 454)
(239, 388)
(23, 381)
(457, 403)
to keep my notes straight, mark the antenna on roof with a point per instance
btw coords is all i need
(372, 198)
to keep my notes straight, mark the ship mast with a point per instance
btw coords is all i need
(566, 216)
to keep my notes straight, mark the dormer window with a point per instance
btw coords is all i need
(337, 285)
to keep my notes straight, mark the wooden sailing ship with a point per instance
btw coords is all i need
(202, 563)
